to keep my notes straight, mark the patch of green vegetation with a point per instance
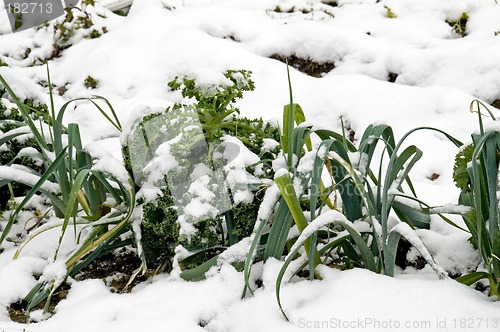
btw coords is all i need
(245, 215)
(460, 25)
(460, 173)
(121, 12)
(18, 21)
(74, 19)
(10, 118)
(160, 230)
(69, 167)
(477, 174)
(214, 107)
(90, 82)
(217, 114)
(390, 13)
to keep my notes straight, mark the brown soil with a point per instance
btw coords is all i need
(17, 310)
(402, 260)
(306, 66)
(496, 103)
(116, 267)
(392, 77)
(332, 3)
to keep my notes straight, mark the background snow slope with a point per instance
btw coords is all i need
(438, 75)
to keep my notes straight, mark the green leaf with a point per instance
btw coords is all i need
(365, 251)
(22, 108)
(390, 253)
(270, 199)
(460, 174)
(345, 181)
(287, 190)
(198, 273)
(10, 136)
(71, 207)
(288, 124)
(469, 279)
(280, 228)
(415, 217)
(31, 193)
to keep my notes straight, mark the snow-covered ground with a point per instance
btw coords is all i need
(437, 75)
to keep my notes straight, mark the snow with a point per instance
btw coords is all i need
(307, 162)
(235, 253)
(32, 153)
(449, 251)
(269, 144)
(321, 221)
(55, 271)
(181, 305)
(450, 208)
(411, 236)
(106, 163)
(23, 176)
(438, 75)
(281, 172)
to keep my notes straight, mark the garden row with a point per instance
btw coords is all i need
(201, 186)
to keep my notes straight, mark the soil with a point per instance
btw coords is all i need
(332, 3)
(496, 103)
(434, 176)
(402, 260)
(122, 261)
(17, 310)
(392, 77)
(115, 269)
(306, 66)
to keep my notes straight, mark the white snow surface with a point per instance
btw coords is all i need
(23, 176)
(438, 74)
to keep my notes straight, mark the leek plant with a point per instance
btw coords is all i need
(360, 214)
(476, 173)
(82, 194)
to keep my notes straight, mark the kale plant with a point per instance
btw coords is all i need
(76, 23)
(190, 139)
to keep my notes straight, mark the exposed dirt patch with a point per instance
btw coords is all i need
(232, 38)
(332, 3)
(351, 134)
(392, 77)
(115, 269)
(306, 66)
(482, 287)
(17, 310)
(433, 176)
(496, 103)
(122, 261)
(402, 257)
(62, 89)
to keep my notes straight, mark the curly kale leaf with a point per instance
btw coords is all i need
(460, 174)
(213, 107)
(160, 231)
(215, 97)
